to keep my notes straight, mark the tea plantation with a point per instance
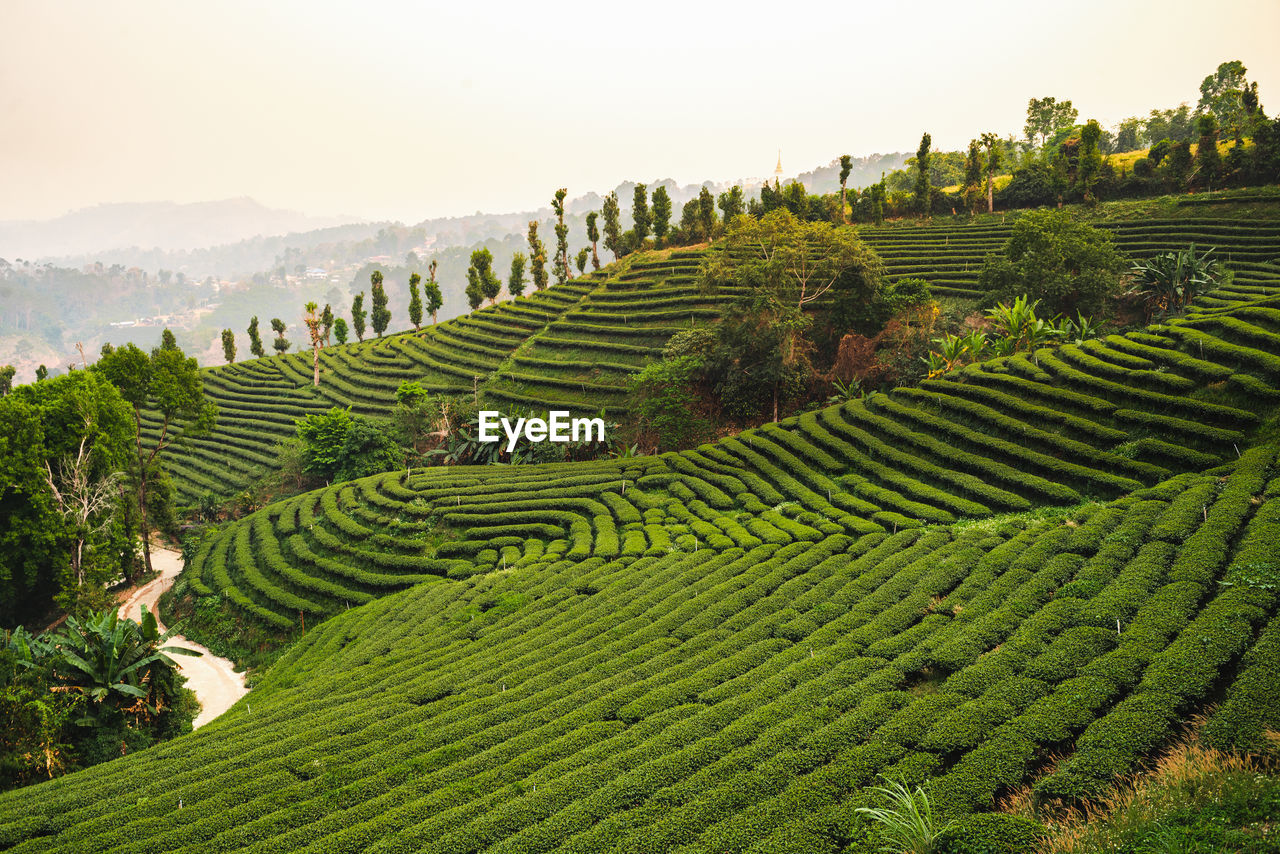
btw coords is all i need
(1029, 571)
(572, 346)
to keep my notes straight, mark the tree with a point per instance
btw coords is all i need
(785, 264)
(1222, 96)
(661, 213)
(584, 255)
(537, 258)
(326, 322)
(612, 225)
(1090, 159)
(1179, 164)
(228, 345)
(415, 302)
(435, 299)
(730, 204)
(255, 340)
(481, 275)
(338, 446)
(312, 321)
(1046, 116)
(972, 176)
(6, 379)
(64, 444)
(515, 281)
(42, 373)
(640, 214)
(474, 295)
(340, 330)
(707, 211)
(593, 235)
(1208, 159)
(846, 166)
(358, 314)
(1129, 134)
(281, 344)
(381, 315)
(922, 176)
(1067, 265)
(168, 384)
(167, 341)
(562, 238)
(991, 143)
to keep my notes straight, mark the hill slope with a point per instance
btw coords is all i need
(717, 650)
(572, 346)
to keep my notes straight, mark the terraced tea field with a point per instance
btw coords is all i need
(572, 346)
(1029, 571)
(735, 697)
(949, 255)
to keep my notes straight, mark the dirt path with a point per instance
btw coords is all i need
(214, 679)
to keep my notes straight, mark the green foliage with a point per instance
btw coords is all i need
(1089, 166)
(661, 395)
(993, 833)
(281, 344)
(1167, 282)
(340, 330)
(64, 446)
(593, 233)
(338, 446)
(415, 301)
(481, 280)
(562, 237)
(98, 681)
(255, 339)
(1208, 160)
(921, 192)
(228, 345)
(906, 821)
(6, 379)
(1222, 96)
(661, 214)
(640, 215)
(1046, 116)
(358, 315)
(1066, 265)
(516, 280)
(537, 258)
(435, 299)
(613, 226)
(380, 315)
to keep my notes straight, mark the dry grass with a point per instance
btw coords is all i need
(1188, 776)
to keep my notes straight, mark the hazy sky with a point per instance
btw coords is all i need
(411, 110)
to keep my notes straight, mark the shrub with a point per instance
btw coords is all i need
(1071, 267)
(993, 833)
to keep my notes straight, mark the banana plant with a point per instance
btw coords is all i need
(1167, 282)
(110, 658)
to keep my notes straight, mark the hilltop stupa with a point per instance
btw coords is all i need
(777, 172)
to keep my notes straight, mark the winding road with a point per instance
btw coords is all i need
(214, 679)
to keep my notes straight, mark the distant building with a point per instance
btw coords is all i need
(317, 273)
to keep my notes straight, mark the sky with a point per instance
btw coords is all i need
(413, 110)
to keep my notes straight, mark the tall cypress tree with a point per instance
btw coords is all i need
(846, 166)
(922, 176)
(593, 234)
(435, 299)
(613, 226)
(381, 314)
(640, 214)
(229, 345)
(255, 340)
(358, 314)
(415, 302)
(661, 213)
(537, 257)
(515, 281)
(562, 238)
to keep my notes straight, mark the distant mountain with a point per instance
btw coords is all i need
(148, 225)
